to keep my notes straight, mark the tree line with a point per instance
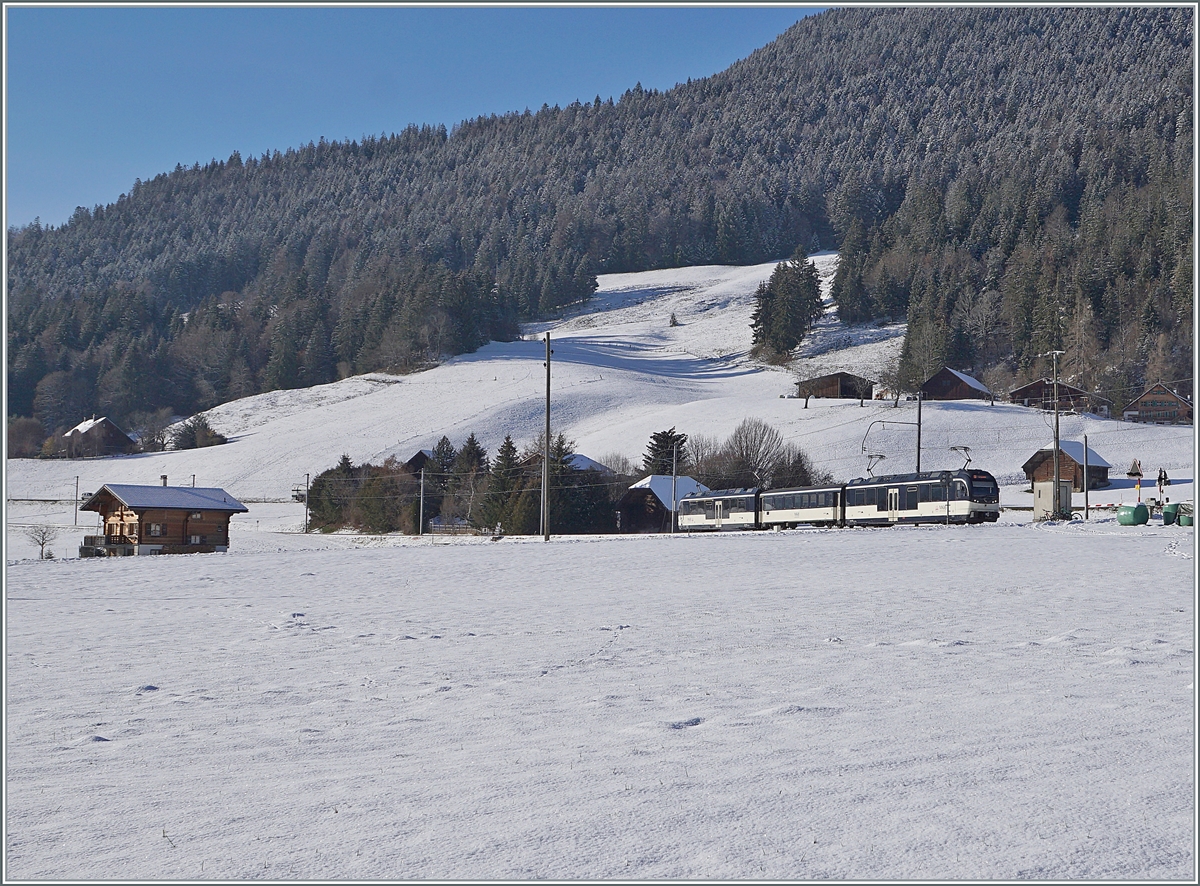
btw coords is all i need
(1009, 180)
(464, 487)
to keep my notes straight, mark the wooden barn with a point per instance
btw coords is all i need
(97, 436)
(1159, 405)
(949, 384)
(1070, 466)
(645, 506)
(1040, 394)
(163, 519)
(837, 385)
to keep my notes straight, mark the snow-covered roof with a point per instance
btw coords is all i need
(86, 425)
(1074, 449)
(660, 485)
(583, 463)
(972, 382)
(170, 497)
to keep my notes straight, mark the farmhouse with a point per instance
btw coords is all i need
(1070, 465)
(948, 384)
(836, 385)
(1040, 394)
(159, 520)
(645, 506)
(1161, 406)
(97, 436)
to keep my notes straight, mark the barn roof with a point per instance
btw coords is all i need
(180, 498)
(1074, 449)
(88, 423)
(660, 485)
(966, 379)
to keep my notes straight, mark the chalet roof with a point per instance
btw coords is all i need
(583, 463)
(1062, 385)
(966, 379)
(181, 498)
(660, 485)
(832, 375)
(1074, 450)
(88, 423)
(1159, 386)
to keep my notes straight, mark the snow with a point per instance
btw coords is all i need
(660, 485)
(1074, 449)
(971, 382)
(990, 702)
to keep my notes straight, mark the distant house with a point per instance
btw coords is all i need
(1040, 394)
(646, 505)
(949, 384)
(97, 436)
(1161, 406)
(836, 385)
(1070, 466)
(419, 461)
(163, 519)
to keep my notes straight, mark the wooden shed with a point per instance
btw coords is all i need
(1040, 466)
(837, 385)
(1040, 394)
(949, 384)
(97, 436)
(159, 520)
(646, 505)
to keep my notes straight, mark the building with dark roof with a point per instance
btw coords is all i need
(949, 384)
(159, 520)
(97, 436)
(837, 385)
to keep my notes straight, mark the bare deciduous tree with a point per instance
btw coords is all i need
(42, 536)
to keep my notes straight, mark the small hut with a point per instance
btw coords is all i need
(645, 506)
(1040, 466)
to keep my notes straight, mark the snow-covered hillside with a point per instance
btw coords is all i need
(620, 372)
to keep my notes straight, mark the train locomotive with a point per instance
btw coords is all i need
(964, 496)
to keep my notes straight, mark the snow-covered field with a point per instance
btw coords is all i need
(992, 702)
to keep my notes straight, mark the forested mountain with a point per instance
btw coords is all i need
(1012, 180)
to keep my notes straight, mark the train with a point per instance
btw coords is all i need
(963, 496)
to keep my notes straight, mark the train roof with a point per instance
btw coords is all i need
(914, 478)
(722, 493)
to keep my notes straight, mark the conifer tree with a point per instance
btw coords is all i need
(661, 452)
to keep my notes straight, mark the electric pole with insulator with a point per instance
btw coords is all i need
(546, 453)
(1058, 508)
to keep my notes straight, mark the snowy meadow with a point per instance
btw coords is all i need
(1003, 701)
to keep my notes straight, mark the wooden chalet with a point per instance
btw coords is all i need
(949, 384)
(646, 505)
(837, 385)
(97, 436)
(163, 519)
(423, 459)
(1040, 466)
(1161, 406)
(1040, 394)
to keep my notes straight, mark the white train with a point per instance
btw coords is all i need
(965, 496)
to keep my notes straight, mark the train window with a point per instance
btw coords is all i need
(937, 493)
(925, 489)
(912, 498)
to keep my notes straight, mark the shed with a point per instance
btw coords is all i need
(1040, 466)
(1040, 394)
(645, 506)
(97, 436)
(837, 385)
(950, 384)
(160, 520)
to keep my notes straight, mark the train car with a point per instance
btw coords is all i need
(784, 508)
(723, 509)
(965, 496)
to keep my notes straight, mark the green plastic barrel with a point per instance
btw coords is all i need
(1185, 519)
(1133, 515)
(1169, 513)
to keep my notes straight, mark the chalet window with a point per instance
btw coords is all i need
(196, 516)
(156, 530)
(195, 539)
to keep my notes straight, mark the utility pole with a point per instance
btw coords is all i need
(546, 454)
(306, 488)
(76, 500)
(674, 474)
(1086, 482)
(919, 398)
(421, 517)
(1058, 511)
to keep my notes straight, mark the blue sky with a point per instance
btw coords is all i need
(98, 97)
